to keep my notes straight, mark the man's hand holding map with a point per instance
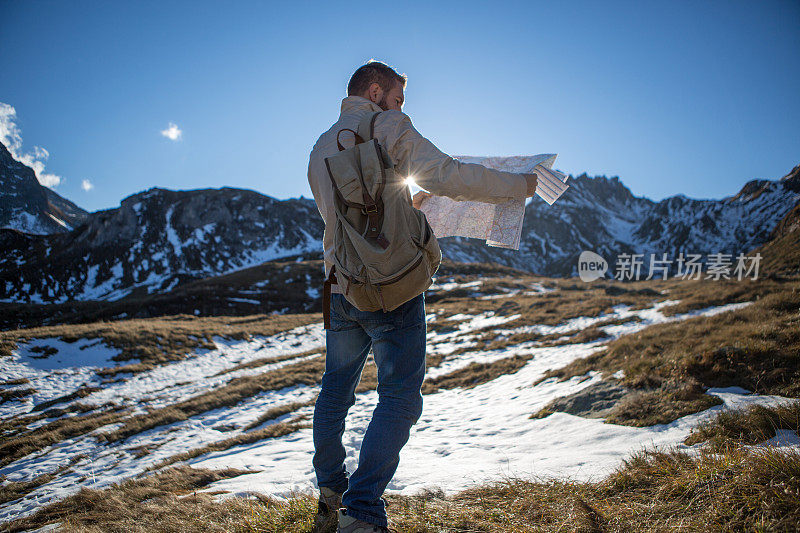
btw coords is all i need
(499, 224)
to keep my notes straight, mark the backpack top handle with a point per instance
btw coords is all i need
(359, 139)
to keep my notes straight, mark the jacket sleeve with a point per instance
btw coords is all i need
(437, 172)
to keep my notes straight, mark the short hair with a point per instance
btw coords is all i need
(374, 72)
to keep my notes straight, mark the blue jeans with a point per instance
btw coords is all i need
(397, 339)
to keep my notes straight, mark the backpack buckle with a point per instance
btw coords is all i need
(368, 211)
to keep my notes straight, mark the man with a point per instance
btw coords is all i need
(397, 338)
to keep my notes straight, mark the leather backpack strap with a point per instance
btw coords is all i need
(326, 298)
(373, 206)
(359, 139)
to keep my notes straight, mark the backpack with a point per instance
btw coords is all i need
(385, 252)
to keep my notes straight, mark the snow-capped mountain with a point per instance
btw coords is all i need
(30, 207)
(602, 215)
(159, 239)
(154, 241)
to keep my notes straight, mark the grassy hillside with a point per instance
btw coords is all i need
(731, 487)
(655, 352)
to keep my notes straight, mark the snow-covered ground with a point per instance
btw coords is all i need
(464, 436)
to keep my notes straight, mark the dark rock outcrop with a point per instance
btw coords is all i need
(28, 206)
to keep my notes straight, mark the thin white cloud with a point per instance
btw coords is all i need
(173, 132)
(48, 180)
(87, 185)
(11, 137)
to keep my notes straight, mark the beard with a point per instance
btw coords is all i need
(383, 104)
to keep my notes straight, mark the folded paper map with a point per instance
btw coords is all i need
(499, 224)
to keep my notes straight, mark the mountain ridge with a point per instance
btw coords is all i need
(29, 206)
(159, 238)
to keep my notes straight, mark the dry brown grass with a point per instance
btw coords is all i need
(661, 406)
(255, 363)
(699, 294)
(475, 374)
(781, 253)
(148, 504)
(12, 426)
(307, 372)
(82, 392)
(143, 450)
(655, 491)
(133, 368)
(449, 269)
(14, 382)
(589, 334)
(571, 299)
(757, 348)
(652, 492)
(16, 394)
(159, 340)
(492, 339)
(278, 411)
(17, 489)
(749, 426)
(20, 445)
(725, 489)
(270, 432)
(669, 366)
(12, 490)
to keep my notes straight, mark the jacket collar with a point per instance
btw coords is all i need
(353, 103)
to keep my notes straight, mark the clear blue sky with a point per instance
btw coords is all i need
(672, 97)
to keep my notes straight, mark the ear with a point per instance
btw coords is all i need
(375, 93)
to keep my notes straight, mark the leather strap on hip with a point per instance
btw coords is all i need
(326, 299)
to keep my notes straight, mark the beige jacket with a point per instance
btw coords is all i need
(413, 155)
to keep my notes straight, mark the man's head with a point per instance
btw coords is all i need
(379, 83)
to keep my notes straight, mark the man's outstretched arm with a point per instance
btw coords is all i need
(419, 196)
(442, 175)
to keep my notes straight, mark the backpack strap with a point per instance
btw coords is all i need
(366, 128)
(373, 206)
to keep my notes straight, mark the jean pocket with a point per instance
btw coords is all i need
(414, 311)
(336, 304)
(339, 318)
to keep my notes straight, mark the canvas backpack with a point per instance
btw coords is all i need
(385, 252)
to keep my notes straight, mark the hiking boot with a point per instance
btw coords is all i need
(327, 507)
(348, 524)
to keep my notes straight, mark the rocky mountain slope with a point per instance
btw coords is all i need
(160, 239)
(155, 241)
(602, 215)
(782, 249)
(30, 207)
